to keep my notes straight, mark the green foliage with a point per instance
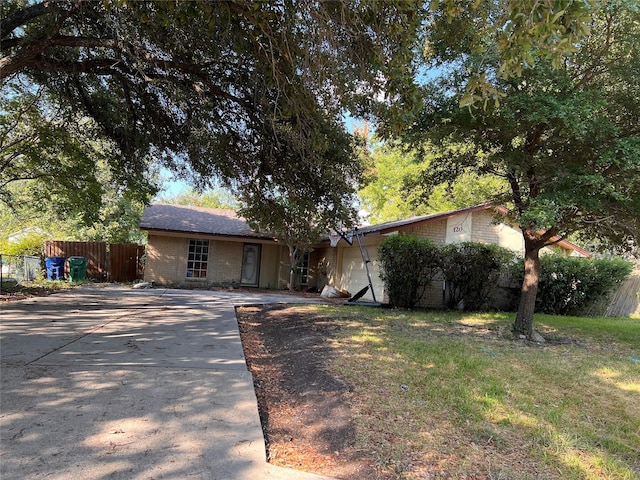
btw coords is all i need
(228, 89)
(241, 91)
(394, 186)
(471, 272)
(46, 164)
(116, 219)
(563, 139)
(509, 37)
(572, 285)
(297, 212)
(215, 197)
(563, 136)
(29, 244)
(118, 222)
(383, 194)
(407, 266)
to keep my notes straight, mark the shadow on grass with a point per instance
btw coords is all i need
(568, 407)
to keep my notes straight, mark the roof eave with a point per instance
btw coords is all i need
(184, 233)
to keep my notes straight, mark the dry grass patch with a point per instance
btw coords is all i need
(449, 396)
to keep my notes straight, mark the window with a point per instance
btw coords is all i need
(303, 269)
(198, 258)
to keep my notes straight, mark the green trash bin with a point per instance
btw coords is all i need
(77, 269)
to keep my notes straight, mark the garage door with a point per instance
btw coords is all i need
(354, 275)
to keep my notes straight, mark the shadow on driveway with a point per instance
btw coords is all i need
(137, 384)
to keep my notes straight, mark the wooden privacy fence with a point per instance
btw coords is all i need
(121, 263)
(125, 262)
(94, 252)
(626, 300)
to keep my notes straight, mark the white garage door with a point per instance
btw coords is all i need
(354, 275)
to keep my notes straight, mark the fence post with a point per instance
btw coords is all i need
(1, 280)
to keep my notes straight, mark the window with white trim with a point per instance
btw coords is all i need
(198, 258)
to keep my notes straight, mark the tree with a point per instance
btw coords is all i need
(216, 197)
(382, 194)
(565, 138)
(208, 89)
(299, 214)
(51, 159)
(390, 190)
(201, 86)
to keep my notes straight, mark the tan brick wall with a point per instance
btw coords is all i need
(166, 259)
(225, 262)
(270, 266)
(166, 262)
(435, 231)
(484, 230)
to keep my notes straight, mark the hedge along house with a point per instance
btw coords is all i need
(200, 247)
(343, 266)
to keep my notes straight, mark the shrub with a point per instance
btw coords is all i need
(471, 272)
(29, 245)
(408, 264)
(571, 285)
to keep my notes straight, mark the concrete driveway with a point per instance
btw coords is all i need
(115, 383)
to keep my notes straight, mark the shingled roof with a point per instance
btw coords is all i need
(413, 221)
(207, 221)
(388, 227)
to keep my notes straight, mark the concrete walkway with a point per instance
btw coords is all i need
(115, 383)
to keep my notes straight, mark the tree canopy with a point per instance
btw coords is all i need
(215, 197)
(234, 90)
(222, 88)
(565, 138)
(393, 187)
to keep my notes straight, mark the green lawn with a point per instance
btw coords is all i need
(451, 395)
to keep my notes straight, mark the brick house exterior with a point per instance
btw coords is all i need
(191, 246)
(345, 268)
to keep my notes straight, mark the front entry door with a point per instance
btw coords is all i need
(250, 265)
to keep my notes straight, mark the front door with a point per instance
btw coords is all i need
(250, 264)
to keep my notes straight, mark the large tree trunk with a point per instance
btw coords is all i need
(523, 324)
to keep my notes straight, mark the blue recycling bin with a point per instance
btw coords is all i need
(55, 268)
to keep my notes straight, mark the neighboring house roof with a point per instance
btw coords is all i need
(197, 220)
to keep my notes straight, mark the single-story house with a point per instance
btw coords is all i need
(200, 246)
(193, 246)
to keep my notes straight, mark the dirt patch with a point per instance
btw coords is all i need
(305, 413)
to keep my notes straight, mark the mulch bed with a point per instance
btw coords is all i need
(304, 409)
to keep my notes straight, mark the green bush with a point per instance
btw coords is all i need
(471, 271)
(408, 264)
(571, 285)
(29, 245)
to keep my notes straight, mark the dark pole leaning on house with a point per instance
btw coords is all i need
(364, 253)
(366, 259)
